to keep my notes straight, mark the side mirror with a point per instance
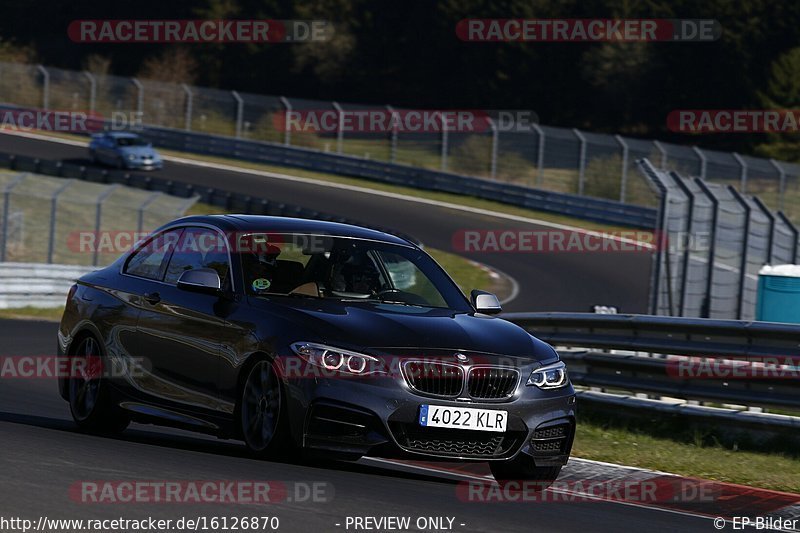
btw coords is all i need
(485, 302)
(205, 280)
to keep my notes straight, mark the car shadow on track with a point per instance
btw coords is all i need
(223, 448)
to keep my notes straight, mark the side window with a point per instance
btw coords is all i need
(199, 248)
(150, 260)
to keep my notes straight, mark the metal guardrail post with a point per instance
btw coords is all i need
(92, 90)
(581, 161)
(139, 96)
(687, 249)
(239, 113)
(98, 218)
(745, 246)
(287, 131)
(655, 279)
(743, 174)
(45, 86)
(771, 238)
(339, 127)
(781, 183)
(712, 252)
(6, 207)
(51, 245)
(623, 183)
(495, 142)
(393, 138)
(663, 152)
(143, 207)
(794, 230)
(187, 124)
(703, 161)
(539, 154)
(445, 140)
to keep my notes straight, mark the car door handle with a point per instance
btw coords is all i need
(152, 297)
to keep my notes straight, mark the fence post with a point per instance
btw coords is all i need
(53, 206)
(339, 127)
(495, 142)
(139, 96)
(45, 86)
(767, 213)
(189, 96)
(239, 113)
(743, 174)
(712, 251)
(393, 138)
(97, 219)
(685, 241)
(143, 207)
(743, 263)
(445, 140)
(781, 184)
(287, 131)
(92, 90)
(581, 160)
(703, 161)
(6, 207)
(793, 229)
(540, 155)
(663, 153)
(623, 184)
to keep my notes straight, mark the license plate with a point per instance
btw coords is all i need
(439, 416)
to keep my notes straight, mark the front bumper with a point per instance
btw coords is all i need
(378, 416)
(138, 164)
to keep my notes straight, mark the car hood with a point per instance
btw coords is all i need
(384, 327)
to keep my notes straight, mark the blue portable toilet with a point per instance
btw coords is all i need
(778, 297)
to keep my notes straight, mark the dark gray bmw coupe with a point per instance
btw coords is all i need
(295, 334)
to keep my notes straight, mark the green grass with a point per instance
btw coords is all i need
(33, 313)
(774, 471)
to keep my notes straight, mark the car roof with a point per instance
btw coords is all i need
(121, 134)
(269, 224)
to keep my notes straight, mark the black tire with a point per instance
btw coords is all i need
(522, 469)
(120, 163)
(90, 400)
(93, 156)
(262, 413)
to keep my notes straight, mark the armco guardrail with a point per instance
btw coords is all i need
(760, 358)
(583, 207)
(37, 285)
(733, 339)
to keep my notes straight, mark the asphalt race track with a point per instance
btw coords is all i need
(44, 455)
(547, 281)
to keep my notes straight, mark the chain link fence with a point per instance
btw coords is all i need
(74, 222)
(548, 158)
(713, 241)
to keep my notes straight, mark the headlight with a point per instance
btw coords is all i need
(550, 377)
(336, 359)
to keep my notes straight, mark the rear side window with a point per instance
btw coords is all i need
(150, 259)
(199, 248)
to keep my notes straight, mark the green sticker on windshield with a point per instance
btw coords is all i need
(261, 284)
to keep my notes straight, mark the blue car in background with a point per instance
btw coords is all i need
(124, 150)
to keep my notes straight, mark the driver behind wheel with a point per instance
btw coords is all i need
(357, 275)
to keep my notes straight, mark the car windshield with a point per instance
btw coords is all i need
(345, 269)
(131, 141)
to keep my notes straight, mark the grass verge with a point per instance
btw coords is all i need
(33, 313)
(776, 471)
